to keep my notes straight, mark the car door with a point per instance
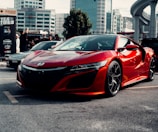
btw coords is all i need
(130, 59)
(139, 58)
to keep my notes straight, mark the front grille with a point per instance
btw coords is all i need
(42, 79)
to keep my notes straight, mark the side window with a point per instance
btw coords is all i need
(131, 42)
(123, 42)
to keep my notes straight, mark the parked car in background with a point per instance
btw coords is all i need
(87, 65)
(14, 60)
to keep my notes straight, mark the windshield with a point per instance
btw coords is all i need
(88, 43)
(43, 45)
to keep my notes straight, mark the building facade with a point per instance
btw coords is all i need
(99, 13)
(128, 24)
(60, 19)
(32, 15)
(121, 23)
(38, 4)
(117, 21)
(36, 20)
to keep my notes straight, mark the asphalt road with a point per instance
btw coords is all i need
(134, 109)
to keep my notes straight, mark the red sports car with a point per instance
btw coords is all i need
(88, 65)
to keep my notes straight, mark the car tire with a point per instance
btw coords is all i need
(113, 79)
(152, 68)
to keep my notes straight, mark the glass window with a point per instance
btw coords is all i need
(89, 43)
(122, 42)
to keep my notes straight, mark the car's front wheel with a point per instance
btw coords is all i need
(113, 79)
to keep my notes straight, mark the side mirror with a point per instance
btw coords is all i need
(131, 47)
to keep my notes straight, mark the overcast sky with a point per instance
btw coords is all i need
(62, 6)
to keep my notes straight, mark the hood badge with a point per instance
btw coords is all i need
(40, 64)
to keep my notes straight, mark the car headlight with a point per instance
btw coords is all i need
(96, 65)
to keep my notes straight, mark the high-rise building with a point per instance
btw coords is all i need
(98, 11)
(32, 14)
(60, 19)
(128, 24)
(38, 4)
(117, 21)
(36, 20)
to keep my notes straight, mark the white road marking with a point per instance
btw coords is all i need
(148, 108)
(142, 87)
(10, 97)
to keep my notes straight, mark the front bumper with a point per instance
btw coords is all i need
(55, 80)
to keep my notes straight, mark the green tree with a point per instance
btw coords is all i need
(77, 23)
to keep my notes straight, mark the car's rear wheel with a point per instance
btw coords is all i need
(152, 68)
(113, 79)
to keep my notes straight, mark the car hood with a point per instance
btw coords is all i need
(19, 56)
(65, 58)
